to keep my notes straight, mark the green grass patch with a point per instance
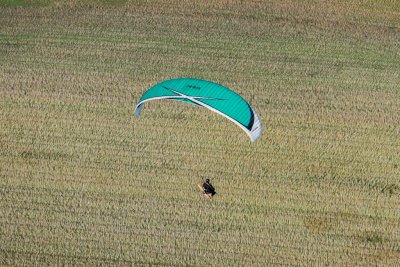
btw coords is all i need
(24, 3)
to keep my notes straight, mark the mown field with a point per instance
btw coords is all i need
(83, 182)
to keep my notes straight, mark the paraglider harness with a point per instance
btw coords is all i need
(208, 188)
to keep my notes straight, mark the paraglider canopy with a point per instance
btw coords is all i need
(210, 95)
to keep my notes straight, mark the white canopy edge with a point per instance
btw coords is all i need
(254, 133)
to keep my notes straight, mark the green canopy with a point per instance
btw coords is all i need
(210, 95)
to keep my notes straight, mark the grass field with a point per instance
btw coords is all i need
(83, 182)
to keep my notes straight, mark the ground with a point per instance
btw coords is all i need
(83, 182)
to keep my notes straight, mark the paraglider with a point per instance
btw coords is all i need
(212, 96)
(206, 188)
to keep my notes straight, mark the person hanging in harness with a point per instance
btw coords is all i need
(207, 188)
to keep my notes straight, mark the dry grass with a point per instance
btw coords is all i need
(82, 182)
